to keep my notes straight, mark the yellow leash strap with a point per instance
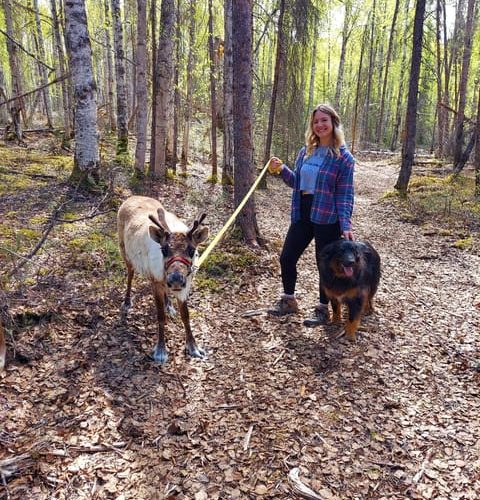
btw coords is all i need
(217, 238)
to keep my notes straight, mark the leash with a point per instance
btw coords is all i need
(220, 234)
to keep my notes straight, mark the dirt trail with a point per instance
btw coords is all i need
(394, 415)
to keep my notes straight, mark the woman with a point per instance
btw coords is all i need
(322, 203)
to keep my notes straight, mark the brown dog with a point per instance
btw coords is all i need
(349, 274)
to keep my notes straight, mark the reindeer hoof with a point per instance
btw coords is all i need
(195, 352)
(160, 356)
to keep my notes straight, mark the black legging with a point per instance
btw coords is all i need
(299, 236)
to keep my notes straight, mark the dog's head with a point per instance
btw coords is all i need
(343, 257)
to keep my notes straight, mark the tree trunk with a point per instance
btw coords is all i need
(142, 100)
(403, 64)
(86, 160)
(462, 91)
(380, 127)
(451, 63)
(365, 132)
(278, 80)
(164, 84)
(313, 70)
(61, 69)
(357, 92)
(153, 17)
(3, 96)
(408, 150)
(43, 71)
(213, 93)
(17, 106)
(446, 81)
(188, 101)
(341, 65)
(109, 78)
(122, 108)
(440, 109)
(176, 92)
(242, 34)
(227, 168)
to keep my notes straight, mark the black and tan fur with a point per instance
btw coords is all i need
(350, 274)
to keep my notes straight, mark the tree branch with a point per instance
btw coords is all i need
(57, 80)
(26, 51)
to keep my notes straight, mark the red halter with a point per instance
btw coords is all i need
(178, 258)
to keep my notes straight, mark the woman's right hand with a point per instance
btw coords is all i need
(275, 165)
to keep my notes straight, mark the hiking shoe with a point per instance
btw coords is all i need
(286, 305)
(320, 316)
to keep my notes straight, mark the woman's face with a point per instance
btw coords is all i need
(323, 127)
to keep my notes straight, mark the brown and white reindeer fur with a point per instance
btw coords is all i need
(158, 245)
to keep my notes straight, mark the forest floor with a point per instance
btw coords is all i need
(86, 414)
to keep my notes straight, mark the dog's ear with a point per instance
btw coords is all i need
(329, 251)
(363, 248)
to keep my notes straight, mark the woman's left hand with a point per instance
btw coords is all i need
(348, 235)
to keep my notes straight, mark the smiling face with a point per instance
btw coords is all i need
(322, 127)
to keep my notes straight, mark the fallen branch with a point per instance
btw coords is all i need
(248, 436)
(3, 347)
(93, 448)
(419, 474)
(54, 220)
(299, 488)
(17, 172)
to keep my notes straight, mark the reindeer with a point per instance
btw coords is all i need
(157, 244)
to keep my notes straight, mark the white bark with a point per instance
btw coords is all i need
(79, 50)
(41, 67)
(122, 111)
(164, 85)
(141, 75)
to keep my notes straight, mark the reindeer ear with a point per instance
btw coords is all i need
(199, 235)
(159, 235)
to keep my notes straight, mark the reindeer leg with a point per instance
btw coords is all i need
(127, 301)
(160, 354)
(191, 347)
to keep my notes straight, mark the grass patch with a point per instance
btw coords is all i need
(224, 266)
(96, 250)
(464, 244)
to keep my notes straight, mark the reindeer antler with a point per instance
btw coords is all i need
(160, 221)
(196, 223)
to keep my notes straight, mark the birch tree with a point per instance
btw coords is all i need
(187, 114)
(213, 93)
(122, 108)
(41, 67)
(227, 168)
(462, 91)
(141, 76)
(164, 90)
(16, 106)
(86, 158)
(61, 69)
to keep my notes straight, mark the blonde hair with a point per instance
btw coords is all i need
(312, 140)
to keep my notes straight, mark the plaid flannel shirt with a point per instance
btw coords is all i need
(333, 196)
